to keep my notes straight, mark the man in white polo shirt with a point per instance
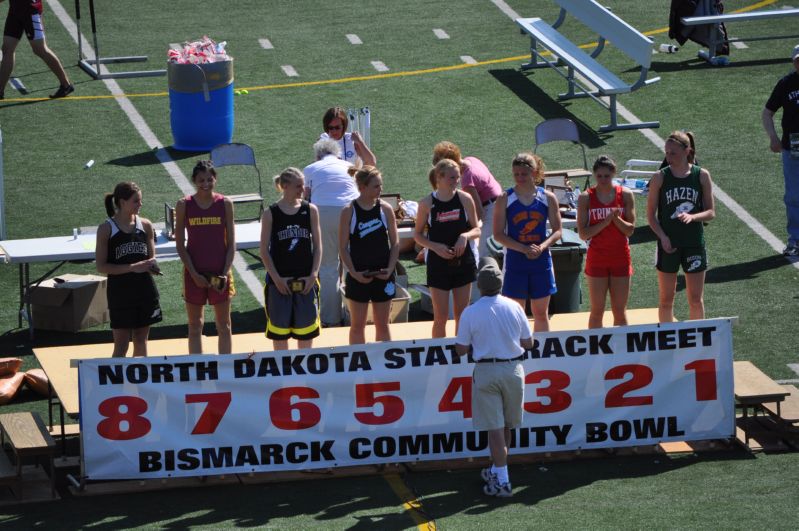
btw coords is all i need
(330, 188)
(496, 330)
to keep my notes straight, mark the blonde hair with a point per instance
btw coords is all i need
(686, 140)
(439, 168)
(286, 176)
(534, 162)
(364, 175)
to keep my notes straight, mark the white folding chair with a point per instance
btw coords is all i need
(556, 130)
(629, 170)
(237, 154)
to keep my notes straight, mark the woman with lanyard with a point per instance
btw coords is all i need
(520, 224)
(451, 250)
(680, 202)
(369, 249)
(353, 148)
(606, 220)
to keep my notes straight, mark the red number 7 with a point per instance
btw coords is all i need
(212, 414)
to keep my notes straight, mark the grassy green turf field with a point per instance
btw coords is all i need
(490, 109)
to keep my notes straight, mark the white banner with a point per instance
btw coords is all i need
(400, 401)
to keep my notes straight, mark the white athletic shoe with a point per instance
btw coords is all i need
(487, 476)
(493, 488)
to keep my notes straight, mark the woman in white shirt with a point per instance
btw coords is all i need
(353, 149)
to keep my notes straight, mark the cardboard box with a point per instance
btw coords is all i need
(400, 305)
(69, 302)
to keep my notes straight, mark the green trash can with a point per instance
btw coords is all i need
(567, 261)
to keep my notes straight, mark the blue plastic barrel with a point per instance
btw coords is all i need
(201, 105)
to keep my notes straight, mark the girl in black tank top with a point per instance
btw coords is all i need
(125, 252)
(450, 217)
(291, 251)
(369, 249)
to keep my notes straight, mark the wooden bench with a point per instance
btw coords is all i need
(754, 389)
(717, 20)
(788, 411)
(626, 38)
(28, 437)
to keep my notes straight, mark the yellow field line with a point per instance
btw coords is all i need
(412, 505)
(407, 73)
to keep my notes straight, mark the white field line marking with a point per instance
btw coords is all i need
(440, 33)
(468, 59)
(17, 84)
(289, 70)
(757, 227)
(794, 367)
(787, 382)
(379, 66)
(266, 44)
(180, 180)
(740, 45)
(354, 39)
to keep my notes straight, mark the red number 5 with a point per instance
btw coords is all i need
(393, 407)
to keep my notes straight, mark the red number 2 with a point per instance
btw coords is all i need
(641, 377)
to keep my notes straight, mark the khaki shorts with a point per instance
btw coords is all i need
(497, 395)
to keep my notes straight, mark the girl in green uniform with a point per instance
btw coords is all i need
(680, 201)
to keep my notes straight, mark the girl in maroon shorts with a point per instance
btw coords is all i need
(207, 219)
(606, 219)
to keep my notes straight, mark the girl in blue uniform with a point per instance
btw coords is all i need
(520, 224)
(125, 252)
(369, 249)
(450, 217)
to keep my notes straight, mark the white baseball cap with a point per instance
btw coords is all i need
(795, 53)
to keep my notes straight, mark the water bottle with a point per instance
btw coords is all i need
(720, 60)
(668, 48)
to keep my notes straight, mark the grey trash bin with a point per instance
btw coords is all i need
(567, 261)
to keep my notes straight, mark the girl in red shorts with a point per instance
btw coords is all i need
(606, 219)
(207, 219)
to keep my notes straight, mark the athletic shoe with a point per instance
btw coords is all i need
(63, 91)
(791, 250)
(493, 488)
(487, 475)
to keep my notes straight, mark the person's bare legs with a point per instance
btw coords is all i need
(358, 312)
(44, 53)
(382, 313)
(440, 300)
(540, 309)
(140, 336)
(695, 290)
(7, 64)
(223, 327)
(460, 300)
(195, 318)
(619, 295)
(597, 293)
(121, 341)
(667, 286)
